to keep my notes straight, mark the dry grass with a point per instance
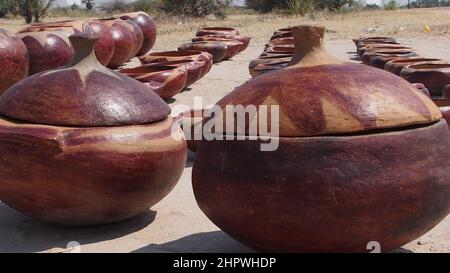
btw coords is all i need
(399, 23)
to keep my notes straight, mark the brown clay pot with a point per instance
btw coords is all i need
(396, 66)
(268, 61)
(434, 76)
(14, 60)
(47, 49)
(217, 31)
(124, 42)
(372, 47)
(280, 42)
(281, 34)
(104, 48)
(218, 50)
(148, 28)
(382, 40)
(382, 56)
(166, 81)
(98, 147)
(233, 46)
(138, 36)
(194, 69)
(279, 50)
(200, 57)
(343, 173)
(245, 40)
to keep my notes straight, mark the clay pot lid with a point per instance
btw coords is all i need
(322, 95)
(83, 93)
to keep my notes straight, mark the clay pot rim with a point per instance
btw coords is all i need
(415, 59)
(429, 66)
(175, 53)
(218, 28)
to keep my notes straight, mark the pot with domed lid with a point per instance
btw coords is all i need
(84, 145)
(361, 156)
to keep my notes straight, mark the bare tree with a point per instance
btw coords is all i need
(34, 9)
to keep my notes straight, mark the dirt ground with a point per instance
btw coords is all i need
(176, 224)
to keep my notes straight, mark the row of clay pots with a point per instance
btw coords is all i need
(168, 73)
(121, 37)
(277, 53)
(222, 43)
(85, 145)
(361, 156)
(386, 53)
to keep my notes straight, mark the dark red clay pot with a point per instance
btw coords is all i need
(166, 81)
(343, 174)
(274, 62)
(104, 48)
(360, 51)
(138, 36)
(396, 66)
(217, 31)
(203, 58)
(434, 76)
(124, 42)
(85, 145)
(47, 49)
(194, 69)
(148, 28)
(218, 50)
(13, 60)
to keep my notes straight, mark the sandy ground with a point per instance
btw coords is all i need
(176, 224)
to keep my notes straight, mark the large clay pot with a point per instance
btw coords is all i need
(396, 66)
(362, 156)
(104, 48)
(434, 76)
(201, 57)
(166, 81)
(84, 145)
(138, 36)
(124, 42)
(47, 49)
(13, 60)
(148, 27)
(218, 50)
(217, 31)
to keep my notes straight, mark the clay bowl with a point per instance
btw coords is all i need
(268, 67)
(47, 49)
(381, 60)
(279, 50)
(396, 66)
(358, 42)
(138, 36)
(367, 57)
(280, 42)
(194, 69)
(342, 174)
(372, 47)
(124, 42)
(216, 31)
(98, 147)
(220, 39)
(434, 76)
(218, 50)
(148, 28)
(245, 40)
(268, 59)
(281, 34)
(13, 60)
(104, 48)
(166, 81)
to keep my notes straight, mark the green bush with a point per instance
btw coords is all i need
(145, 5)
(300, 7)
(392, 5)
(195, 8)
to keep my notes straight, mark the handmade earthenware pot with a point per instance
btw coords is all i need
(233, 46)
(361, 156)
(166, 81)
(245, 40)
(217, 31)
(266, 67)
(434, 76)
(47, 49)
(194, 69)
(124, 42)
(137, 34)
(382, 56)
(280, 42)
(148, 28)
(13, 60)
(373, 47)
(218, 50)
(381, 40)
(84, 145)
(396, 66)
(104, 48)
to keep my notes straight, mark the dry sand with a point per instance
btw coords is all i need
(176, 224)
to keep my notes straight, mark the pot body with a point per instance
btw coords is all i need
(148, 28)
(137, 34)
(88, 176)
(124, 42)
(13, 60)
(47, 49)
(434, 76)
(327, 194)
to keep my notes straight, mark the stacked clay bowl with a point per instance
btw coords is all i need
(282, 33)
(14, 60)
(217, 49)
(434, 76)
(361, 156)
(277, 55)
(47, 49)
(164, 80)
(84, 145)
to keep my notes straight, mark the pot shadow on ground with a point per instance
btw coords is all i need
(20, 233)
(206, 242)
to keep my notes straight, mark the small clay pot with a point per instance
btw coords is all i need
(104, 48)
(166, 81)
(14, 60)
(396, 66)
(217, 31)
(98, 147)
(218, 50)
(204, 58)
(47, 49)
(138, 36)
(148, 28)
(434, 76)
